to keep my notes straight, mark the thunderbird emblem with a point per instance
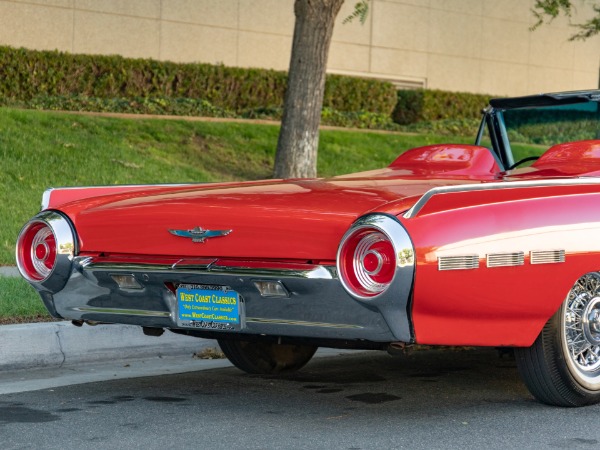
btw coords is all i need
(199, 234)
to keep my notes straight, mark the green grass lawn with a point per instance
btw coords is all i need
(19, 302)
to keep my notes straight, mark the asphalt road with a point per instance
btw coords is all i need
(426, 400)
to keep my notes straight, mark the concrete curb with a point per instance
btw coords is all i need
(9, 271)
(56, 344)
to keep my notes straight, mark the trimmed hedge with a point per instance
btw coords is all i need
(429, 105)
(28, 74)
(58, 80)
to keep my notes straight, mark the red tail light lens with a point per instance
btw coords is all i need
(45, 249)
(366, 262)
(37, 251)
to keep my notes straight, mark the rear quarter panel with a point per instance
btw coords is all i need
(500, 306)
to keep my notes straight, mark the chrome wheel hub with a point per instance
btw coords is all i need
(582, 324)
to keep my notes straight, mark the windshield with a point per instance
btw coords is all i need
(531, 130)
(551, 125)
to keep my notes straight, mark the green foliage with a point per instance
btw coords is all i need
(549, 133)
(445, 127)
(359, 94)
(550, 9)
(428, 105)
(42, 76)
(409, 107)
(438, 105)
(361, 11)
(62, 81)
(359, 119)
(132, 105)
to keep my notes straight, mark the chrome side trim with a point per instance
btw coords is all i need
(462, 262)
(320, 272)
(417, 207)
(547, 256)
(300, 323)
(505, 259)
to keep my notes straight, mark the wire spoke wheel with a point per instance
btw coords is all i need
(581, 330)
(562, 367)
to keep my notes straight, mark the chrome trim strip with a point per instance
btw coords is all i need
(194, 264)
(124, 312)
(319, 272)
(46, 198)
(48, 192)
(300, 323)
(417, 207)
(460, 262)
(505, 259)
(547, 256)
(146, 313)
(314, 272)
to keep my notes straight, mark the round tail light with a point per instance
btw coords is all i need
(36, 251)
(370, 254)
(45, 248)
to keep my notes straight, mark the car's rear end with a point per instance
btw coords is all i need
(304, 265)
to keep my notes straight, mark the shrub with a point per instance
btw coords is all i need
(409, 107)
(28, 74)
(428, 105)
(57, 80)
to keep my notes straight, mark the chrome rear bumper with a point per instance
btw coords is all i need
(317, 307)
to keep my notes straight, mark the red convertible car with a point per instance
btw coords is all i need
(449, 245)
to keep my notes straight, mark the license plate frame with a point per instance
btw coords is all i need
(209, 307)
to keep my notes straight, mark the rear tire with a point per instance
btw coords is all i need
(562, 367)
(266, 358)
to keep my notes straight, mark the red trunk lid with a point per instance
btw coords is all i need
(296, 219)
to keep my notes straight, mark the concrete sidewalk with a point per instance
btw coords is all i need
(47, 355)
(55, 344)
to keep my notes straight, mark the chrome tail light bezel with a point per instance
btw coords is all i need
(56, 229)
(380, 227)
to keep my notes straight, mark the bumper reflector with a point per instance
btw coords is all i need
(271, 288)
(126, 281)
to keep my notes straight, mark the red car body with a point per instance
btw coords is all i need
(448, 245)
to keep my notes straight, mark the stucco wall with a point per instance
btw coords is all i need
(463, 45)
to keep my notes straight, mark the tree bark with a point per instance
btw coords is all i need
(298, 142)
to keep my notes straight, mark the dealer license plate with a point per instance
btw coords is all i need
(208, 307)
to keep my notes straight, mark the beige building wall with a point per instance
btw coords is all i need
(461, 45)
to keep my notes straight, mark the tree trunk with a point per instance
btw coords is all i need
(298, 142)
